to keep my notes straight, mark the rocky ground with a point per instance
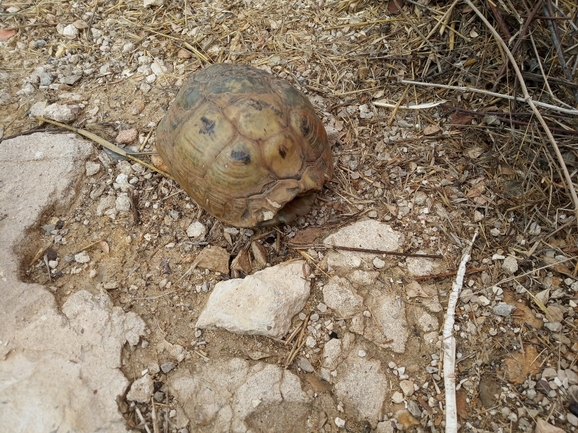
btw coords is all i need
(313, 338)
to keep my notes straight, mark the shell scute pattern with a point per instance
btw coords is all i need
(246, 146)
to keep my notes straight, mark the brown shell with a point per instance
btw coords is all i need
(245, 145)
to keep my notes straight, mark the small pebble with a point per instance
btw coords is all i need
(82, 257)
(503, 309)
(167, 366)
(197, 230)
(340, 423)
(397, 397)
(378, 263)
(126, 136)
(510, 265)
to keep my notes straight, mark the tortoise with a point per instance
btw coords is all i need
(245, 145)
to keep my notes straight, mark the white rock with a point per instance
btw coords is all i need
(362, 384)
(121, 182)
(122, 203)
(510, 265)
(420, 266)
(397, 397)
(197, 230)
(82, 257)
(340, 423)
(378, 263)
(310, 341)
(141, 389)
(339, 295)
(260, 304)
(147, 3)
(368, 234)
(389, 313)
(104, 204)
(62, 113)
(70, 31)
(92, 168)
(331, 354)
(37, 108)
(572, 419)
(385, 427)
(232, 396)
(407, 387)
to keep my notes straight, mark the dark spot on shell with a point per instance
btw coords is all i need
(241, 156)
(208, 126)
(283, 151)
(257, 105)
(305, 126)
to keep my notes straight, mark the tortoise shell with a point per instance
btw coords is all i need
(245, 145)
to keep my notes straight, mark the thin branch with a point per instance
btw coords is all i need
(494, 94)
(449, 343)
(532, 105)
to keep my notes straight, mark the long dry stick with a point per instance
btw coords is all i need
(532, 105)
(449, 343)
(494, 94)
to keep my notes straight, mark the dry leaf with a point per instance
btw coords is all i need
(6, 34)
(214, 259)
(545, 427)
(460, 119)
(104, 247)
(431, 130)
(394, 6)
(474, 151)
(260, 256)
(520, 365)
(461, 403)
(522, 313)
(242, 262)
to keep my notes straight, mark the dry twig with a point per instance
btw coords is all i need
(528, 99)
(449, 343)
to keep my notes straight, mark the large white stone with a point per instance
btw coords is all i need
(362, 385)
(233, 396)
(339, 295)
(368, 234)
(58, 371)
(260, 304)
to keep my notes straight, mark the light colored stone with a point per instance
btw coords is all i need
(92, 168)
(503, 309)
(428, 323)
(53, 365)
(389, 313)
(197, 230)
(362, 385)
(339, 295)
(122, 203)
(510, 265)
(62, 113)
(369, 234)
(385, 427)
(126, 136)
(70, 31)
(397, 397)
(331, 354)
(260, 304)
(426, 294)
(230, 395)
(141, 389)
(82, 257)
(420, 266)
(407, 387)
